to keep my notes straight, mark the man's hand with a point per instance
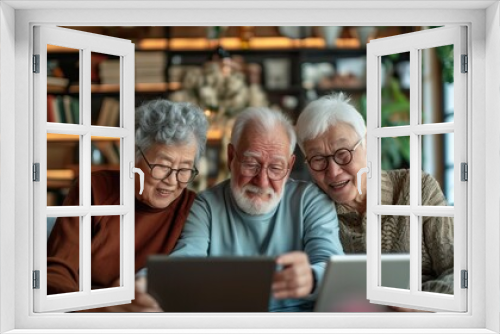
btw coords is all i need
(295, 280)
(143, 302)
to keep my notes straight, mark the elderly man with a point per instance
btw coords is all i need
(259, 211)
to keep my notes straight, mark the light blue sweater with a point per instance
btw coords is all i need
(305, 220)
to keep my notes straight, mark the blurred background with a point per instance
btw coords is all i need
(226, 69)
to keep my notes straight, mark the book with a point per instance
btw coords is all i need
(105, 111)
(67, 109)
(75, 110)
(50, 109)
(114, 114)
(60, 110)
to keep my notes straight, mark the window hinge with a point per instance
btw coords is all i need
(36, 172)
(36, 279)
(465, 64)
(464, 172)
(36, 63)
(465, 279)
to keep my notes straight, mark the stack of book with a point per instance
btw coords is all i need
(57, 84)
(149, 68)
(109, 71)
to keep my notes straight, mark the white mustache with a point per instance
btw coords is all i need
(258, 190)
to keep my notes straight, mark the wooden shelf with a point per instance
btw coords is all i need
(64, 178)
(229, 43)
(55, 137)
(158, 87)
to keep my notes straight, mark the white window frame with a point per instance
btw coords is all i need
(86, 43)
(481, 17)
(415, 43)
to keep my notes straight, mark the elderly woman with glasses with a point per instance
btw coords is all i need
(170, 137)
(332, 136)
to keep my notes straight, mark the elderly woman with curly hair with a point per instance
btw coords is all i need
(170, 137)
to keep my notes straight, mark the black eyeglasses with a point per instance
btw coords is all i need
(341, 157)
(275, 172)
(161, 172)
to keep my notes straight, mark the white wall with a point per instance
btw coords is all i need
(278, 16)
(492, 157)
(7, 283)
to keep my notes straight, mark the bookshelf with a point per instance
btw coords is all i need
(309, 68)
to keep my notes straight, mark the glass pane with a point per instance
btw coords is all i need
(438, 162)
(63, 70)
(395, 239)
(105, 157)
(437, 254)
(395, 163)
(63, 167)
(395, 94)
(63, 255)
(106, 255)
(105, 97)
(437, 84)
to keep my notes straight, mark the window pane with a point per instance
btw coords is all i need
(395, 162)
(395, 239)
(63, 70)
(437, 84)
(106, 252)
(63, 154)
(63, 255)
(105, 157)
(438, 163)
(105, 98)
(395, 94)
(437, 254)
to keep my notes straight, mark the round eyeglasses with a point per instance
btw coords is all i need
(341, 157)
(161, 172)
(275, 172)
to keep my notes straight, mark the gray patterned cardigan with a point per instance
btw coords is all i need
(437, 240)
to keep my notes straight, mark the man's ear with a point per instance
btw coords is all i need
(230, 155)
(291, 161)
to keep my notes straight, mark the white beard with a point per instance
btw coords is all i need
(255, 206)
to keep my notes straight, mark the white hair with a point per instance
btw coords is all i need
(266, 120)
(325, 112)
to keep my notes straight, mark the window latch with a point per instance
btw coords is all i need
(139, 171)
(368, 171)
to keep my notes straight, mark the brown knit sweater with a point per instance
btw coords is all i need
(156, 232)
(437, 238)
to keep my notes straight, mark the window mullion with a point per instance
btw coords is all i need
(415, 239)
(85, 186)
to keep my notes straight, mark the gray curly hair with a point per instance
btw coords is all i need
(170, 123)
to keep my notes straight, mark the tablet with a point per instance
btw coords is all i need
(343, 288)
(211, 284)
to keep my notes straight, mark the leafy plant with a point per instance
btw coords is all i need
(395, 151)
